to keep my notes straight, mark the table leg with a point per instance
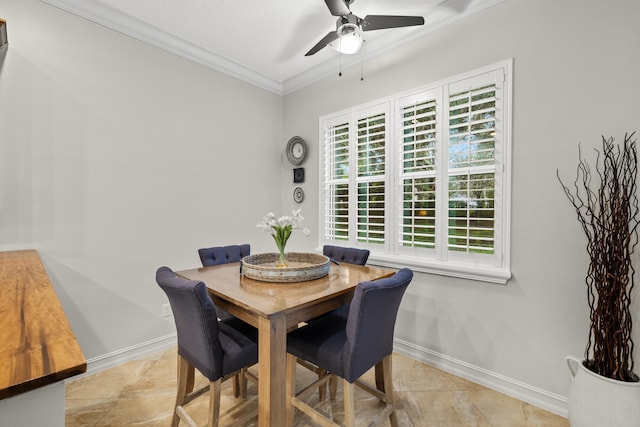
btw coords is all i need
(272, 362)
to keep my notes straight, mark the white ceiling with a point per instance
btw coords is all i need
(263, 42)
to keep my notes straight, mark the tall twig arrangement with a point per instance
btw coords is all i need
(608, 212)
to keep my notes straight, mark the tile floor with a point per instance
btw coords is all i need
(141, 393)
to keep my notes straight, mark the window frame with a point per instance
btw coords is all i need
(494, 268)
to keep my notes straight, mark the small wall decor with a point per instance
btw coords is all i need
(298, 175)
(4, 40)
(298, 195)
(296, 150)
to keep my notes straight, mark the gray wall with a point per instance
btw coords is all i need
(576, 77)
(117, 158)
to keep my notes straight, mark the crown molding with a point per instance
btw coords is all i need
(115, 20)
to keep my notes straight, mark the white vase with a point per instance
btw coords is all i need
(597, 401)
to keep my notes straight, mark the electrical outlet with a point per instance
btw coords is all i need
(166, 310)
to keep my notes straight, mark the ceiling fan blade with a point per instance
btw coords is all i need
(338, 7)
(380, 22)
(333, 35)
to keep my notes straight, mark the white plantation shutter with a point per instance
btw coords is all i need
(372, 145)
(471, 213)
(471, 162)
(472, 127)
(417, 165)
(435, 175)
(371, 177)
(336, 191)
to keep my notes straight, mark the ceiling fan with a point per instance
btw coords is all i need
(347, 38)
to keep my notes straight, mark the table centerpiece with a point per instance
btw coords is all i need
(280, 266)
(280, 229)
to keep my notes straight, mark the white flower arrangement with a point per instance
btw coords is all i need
(281, 228)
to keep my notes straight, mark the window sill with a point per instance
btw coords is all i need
(482, 273)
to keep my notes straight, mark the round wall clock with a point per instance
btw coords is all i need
(296, 150)
(298, 195)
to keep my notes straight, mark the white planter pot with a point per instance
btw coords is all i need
(597, 401)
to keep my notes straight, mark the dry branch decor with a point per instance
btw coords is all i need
(607, 207)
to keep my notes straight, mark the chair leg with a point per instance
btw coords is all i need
(186, 380)
(186, 373)
(214, 402)
(237, 385)
(388, 389)
(321, 389)
(349, 404)
(379, 376)
(333, 387)
(290, 389)
(242, 376)
(240, 384)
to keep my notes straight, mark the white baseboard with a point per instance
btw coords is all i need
(535, 396)
(109, 360)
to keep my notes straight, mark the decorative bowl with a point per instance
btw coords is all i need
(301, 267)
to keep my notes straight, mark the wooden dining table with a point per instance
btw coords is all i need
(275, 309)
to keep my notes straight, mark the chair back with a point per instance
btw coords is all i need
(196, 322)
(348, 255)
(223, 254)
(371, 323)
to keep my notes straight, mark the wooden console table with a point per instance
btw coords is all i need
(37, 345)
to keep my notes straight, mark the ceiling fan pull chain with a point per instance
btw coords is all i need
(361, 69)
(340, 72)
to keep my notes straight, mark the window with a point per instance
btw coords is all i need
(422, 179)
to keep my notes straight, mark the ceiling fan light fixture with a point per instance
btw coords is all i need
(349, 27)
(350, 39)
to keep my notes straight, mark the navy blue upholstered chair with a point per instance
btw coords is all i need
(218, 349)
(349, 347)
(217, 255)
(348, 255)
(339, 254)
(223, 254)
